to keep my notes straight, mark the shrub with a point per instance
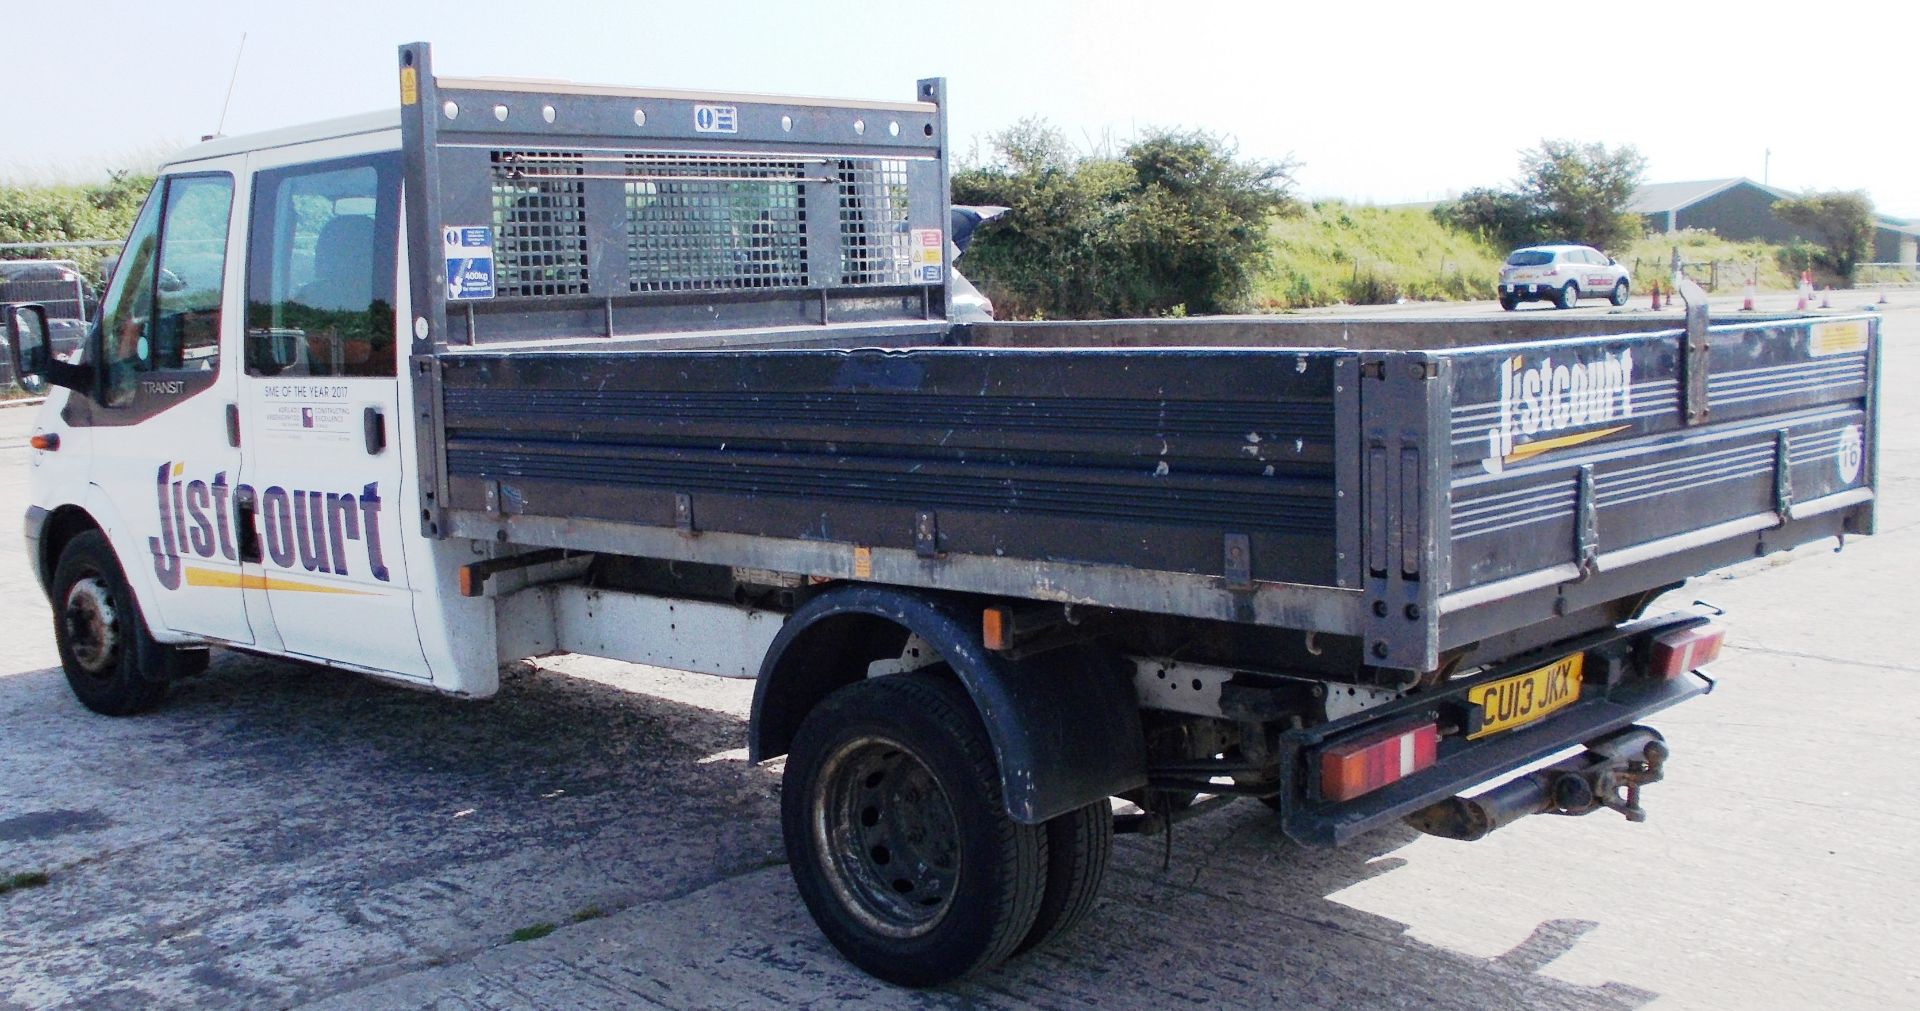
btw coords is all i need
(1177, 220)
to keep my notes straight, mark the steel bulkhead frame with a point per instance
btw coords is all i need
(426, 274)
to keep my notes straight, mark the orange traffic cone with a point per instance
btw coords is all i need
(1746, 304)
(1824, 293)
(1883, 297)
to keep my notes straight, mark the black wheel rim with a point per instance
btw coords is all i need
(92, 624)
(887, 837)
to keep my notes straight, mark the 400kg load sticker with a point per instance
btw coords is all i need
(469, 251)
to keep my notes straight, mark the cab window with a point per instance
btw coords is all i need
(163, 309)
(320, 269)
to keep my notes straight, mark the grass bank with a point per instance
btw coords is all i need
(1332, 252)
(1651, 258)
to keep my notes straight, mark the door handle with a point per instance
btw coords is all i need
(245, 502)
(374, 426)
(233, 425)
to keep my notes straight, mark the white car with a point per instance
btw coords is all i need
(1561, 274)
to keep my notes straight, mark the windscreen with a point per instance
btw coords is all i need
(1529, 258)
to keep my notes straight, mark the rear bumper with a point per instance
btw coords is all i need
(1525, 292)
(1617, 695)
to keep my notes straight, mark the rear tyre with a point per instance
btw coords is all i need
(1079, 847)
(1568, 297)
(897, 837)
(1619, 296)
(113, 666)
(1508, 302)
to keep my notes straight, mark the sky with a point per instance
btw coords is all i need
(1375, 102)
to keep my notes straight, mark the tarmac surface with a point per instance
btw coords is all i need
(279, 835)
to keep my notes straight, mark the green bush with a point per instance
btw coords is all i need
(1176, 221)
(71, 213)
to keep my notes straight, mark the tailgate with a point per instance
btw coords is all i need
(1611, 464)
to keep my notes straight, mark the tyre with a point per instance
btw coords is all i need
(1619, 296)
(113, 666)
(897, 837)
(1508, 302)
(1079, 847)
(1569, 296)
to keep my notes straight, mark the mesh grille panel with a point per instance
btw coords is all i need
(539, 223)
(874, 239)
(704, 224)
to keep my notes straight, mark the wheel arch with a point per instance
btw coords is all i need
(59, 529)
(1064, 724)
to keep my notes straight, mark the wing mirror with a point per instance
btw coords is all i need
(30, 352)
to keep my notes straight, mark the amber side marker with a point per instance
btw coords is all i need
(48, 441)
(995, 623)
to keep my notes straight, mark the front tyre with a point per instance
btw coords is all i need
(113, 666)
(897, 837)
(1619, 296)
(1568, 297)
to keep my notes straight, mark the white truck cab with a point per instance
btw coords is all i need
(242, 461)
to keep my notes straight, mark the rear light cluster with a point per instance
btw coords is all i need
(1363, 766)
(1676, 653)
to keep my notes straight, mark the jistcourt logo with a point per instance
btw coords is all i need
(301, 530)
(1547, 398)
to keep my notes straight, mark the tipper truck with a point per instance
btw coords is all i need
(526, 367)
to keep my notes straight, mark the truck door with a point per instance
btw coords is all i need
(320, 399)
(162, 450)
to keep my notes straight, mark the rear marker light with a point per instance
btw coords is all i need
(1351, 769)
(1676, 653)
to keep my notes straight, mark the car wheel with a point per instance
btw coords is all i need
(1619, 296)
(1569, 296)
(113, 666)
(897, 836)
(1079, 846)
(1509, 302)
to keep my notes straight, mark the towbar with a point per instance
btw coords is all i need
(1609, 773)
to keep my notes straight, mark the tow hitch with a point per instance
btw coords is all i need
(1609, 773)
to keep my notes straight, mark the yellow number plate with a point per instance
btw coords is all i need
(1523, 698)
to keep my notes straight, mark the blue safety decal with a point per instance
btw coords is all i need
(469, 251)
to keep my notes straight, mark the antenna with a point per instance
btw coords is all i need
(235, 76)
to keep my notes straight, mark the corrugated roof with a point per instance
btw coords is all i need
(1658, 198)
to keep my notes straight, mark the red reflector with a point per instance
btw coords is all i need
(1676, 653)
(1351, 769)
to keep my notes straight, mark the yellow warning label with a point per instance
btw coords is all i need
(862, 562)
(409, 86)
(1842, 337)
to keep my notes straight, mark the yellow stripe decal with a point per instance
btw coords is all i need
(1533, 449)
(219, 579)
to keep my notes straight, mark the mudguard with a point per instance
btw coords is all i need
(1064, 724)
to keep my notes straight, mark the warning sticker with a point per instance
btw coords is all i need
(929, 255)
(1839, 338)
(469, 250)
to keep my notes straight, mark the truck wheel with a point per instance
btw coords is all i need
(897, 836)
(1569, 296)
(112, 664)
(1619, 296)
(1079, 847)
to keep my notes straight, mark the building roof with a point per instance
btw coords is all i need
(1659, 198)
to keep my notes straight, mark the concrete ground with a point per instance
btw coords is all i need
(282, 836)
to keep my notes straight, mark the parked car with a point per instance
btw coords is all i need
(1562, 275)
(57, 285)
